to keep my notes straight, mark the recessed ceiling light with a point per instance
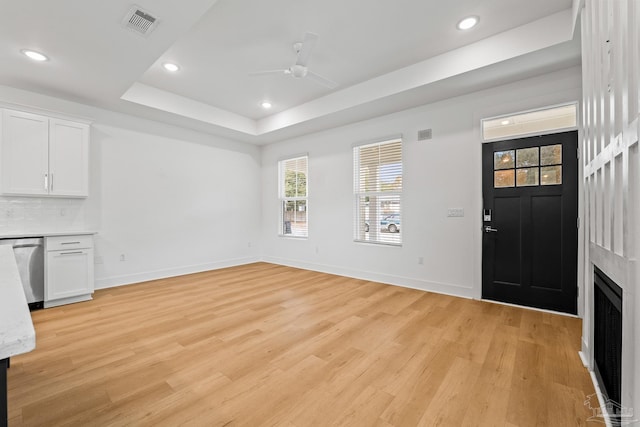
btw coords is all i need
(468, 23)
(266, 105)
(36, 56)
(170, 66)
(505, 122)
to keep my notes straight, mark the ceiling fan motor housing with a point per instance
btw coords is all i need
(298, 71)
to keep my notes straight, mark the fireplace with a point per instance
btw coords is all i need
(608, 337)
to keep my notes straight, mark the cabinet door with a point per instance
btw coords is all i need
(69, 273)
(24, 153)
(68, 158)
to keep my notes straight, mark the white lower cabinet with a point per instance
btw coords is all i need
(68, 269)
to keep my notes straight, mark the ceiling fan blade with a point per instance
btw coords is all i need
(262, 73)
(321, 80)
(308, 44)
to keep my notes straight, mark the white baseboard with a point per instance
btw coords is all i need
(65, 301)
(405, 282)
(585, 361)
(543, 310)
(603, 407)
(110, 282)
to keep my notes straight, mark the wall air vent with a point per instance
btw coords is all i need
(140, 21)
(424, 134)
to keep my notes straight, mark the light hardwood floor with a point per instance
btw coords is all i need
(270, 345)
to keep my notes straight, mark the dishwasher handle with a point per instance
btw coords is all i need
(23, 242)
(28, 245)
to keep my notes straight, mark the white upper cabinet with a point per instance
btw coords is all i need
(68, 158)
(24, 153)
(43, 156)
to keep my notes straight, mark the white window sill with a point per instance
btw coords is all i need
(369, 242)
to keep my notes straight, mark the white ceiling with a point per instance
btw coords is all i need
(385, 56)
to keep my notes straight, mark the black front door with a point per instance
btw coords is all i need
(530, 235)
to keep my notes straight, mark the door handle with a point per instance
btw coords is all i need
(489, 229)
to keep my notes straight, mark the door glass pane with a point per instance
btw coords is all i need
(526, 177)
(551, 155)
(504, 159)
(527, 157)
(551, 175)
(504, 178)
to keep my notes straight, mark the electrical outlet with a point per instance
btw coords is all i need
(9, 213)
(98, 259)
(421, 260)
(455, 212)
(249, 244)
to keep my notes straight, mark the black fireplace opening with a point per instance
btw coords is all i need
(607, 328)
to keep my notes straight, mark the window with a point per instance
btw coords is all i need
(293, 196)
(537, 122)
(377, 177)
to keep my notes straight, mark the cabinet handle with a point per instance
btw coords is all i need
(69, 243)
(46, 183)
(51, 181)
(71, 253)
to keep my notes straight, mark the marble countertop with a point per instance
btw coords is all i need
(17, 335)
(46, 234)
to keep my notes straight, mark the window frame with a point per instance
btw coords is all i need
(357, 194)
(283, 198)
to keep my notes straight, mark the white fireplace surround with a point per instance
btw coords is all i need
(610, 172)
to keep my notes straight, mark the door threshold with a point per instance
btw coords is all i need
(544, 310)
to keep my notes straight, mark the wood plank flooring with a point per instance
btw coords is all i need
(263, 344)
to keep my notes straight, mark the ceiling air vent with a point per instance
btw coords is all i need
(424, 134)
(140, 21)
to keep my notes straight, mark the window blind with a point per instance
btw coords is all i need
(378, 192)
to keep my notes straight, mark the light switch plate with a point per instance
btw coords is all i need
(455, 212)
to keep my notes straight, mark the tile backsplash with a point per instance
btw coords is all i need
(35, 214)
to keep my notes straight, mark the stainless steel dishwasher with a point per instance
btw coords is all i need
(29, 252)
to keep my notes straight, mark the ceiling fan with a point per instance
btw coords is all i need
(299, 70)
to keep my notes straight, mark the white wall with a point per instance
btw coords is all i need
(441, 173)
(170, 205)
(611, 124)
(156, 193)
(171, 200)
